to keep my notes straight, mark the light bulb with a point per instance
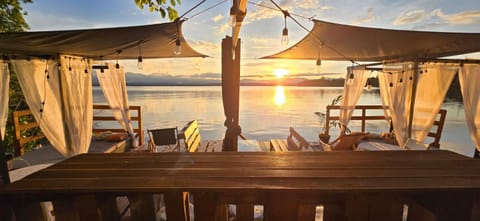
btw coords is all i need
(284, 40)
(233, 18)
(178, 47)
(400, 82)
(140, 63)
(319, 65)
(350, 79)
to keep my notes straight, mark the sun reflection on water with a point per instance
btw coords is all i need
(279, 98)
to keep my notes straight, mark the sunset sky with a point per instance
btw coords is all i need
(261, 31)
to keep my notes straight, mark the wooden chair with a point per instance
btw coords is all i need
(163, 136)
(191, 135)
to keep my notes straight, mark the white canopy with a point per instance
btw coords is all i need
(154, 41)
(345, 42)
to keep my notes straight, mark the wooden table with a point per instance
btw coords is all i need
(377, 185)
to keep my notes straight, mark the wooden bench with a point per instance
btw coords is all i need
(27, 129)
(294, 142)
(193, 142)
(371, 112)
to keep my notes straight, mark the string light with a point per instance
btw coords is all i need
(177, 50)
(140, 58)
(178, 47)
(319, 58)
(351, 76)
(284, 40)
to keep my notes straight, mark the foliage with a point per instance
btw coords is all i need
(11, 19)
(332, 123)
(164, 7)
(11, 15)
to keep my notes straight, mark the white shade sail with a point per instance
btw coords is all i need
(149, 41)
(345, 42)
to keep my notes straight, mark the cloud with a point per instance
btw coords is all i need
(465, 17)
(209, 48)
(410, 17)
(369, 18)
(218, 18)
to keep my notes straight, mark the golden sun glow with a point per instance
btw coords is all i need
(279, 73)
(279, 98)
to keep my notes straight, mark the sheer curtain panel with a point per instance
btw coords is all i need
(60, 98)
(354, 84)
(4, 88)
(469, 77)
(113, 84)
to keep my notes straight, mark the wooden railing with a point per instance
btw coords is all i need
(135, 118)
(363, 117)
(29, 131)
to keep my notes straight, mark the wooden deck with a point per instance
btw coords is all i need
(377, 185)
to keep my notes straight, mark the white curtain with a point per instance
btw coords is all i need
(433, 83)
(60, 99)
(113, 84)
(469, 77)
(395, 89)
(352, 90)
(4, 95)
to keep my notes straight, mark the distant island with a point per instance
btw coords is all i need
(213, 79)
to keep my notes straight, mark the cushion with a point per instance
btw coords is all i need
(116, 137)
(349, 141)
(102, 135)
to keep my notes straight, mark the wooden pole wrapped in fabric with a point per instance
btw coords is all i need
(231, 92)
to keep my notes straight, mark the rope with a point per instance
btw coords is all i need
(207, 9)
(194, 7)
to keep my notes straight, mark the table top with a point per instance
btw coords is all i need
(256, 171)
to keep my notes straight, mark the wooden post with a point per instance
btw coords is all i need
(3, 163)
(231, 92)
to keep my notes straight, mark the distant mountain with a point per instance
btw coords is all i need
(213, 79)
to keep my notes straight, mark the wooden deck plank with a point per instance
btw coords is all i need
(215, 146)
(202, 147)
(264, 146)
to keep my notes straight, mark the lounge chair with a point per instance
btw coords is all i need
(164, 137)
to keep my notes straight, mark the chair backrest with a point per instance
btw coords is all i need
(438, 123)
(191, 135)
(296, 141)
(163, 136)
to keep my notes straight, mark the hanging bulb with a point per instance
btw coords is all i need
(140, 63)
(350, 78)
(319, 65)
(284, 40)
(178, 47)
(400, 82)
(233, 18)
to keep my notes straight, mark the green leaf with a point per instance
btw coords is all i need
(162, 12)
(173, 2)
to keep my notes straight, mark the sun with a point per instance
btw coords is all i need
(279, 73)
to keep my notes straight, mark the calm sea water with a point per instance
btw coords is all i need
(267, 112)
